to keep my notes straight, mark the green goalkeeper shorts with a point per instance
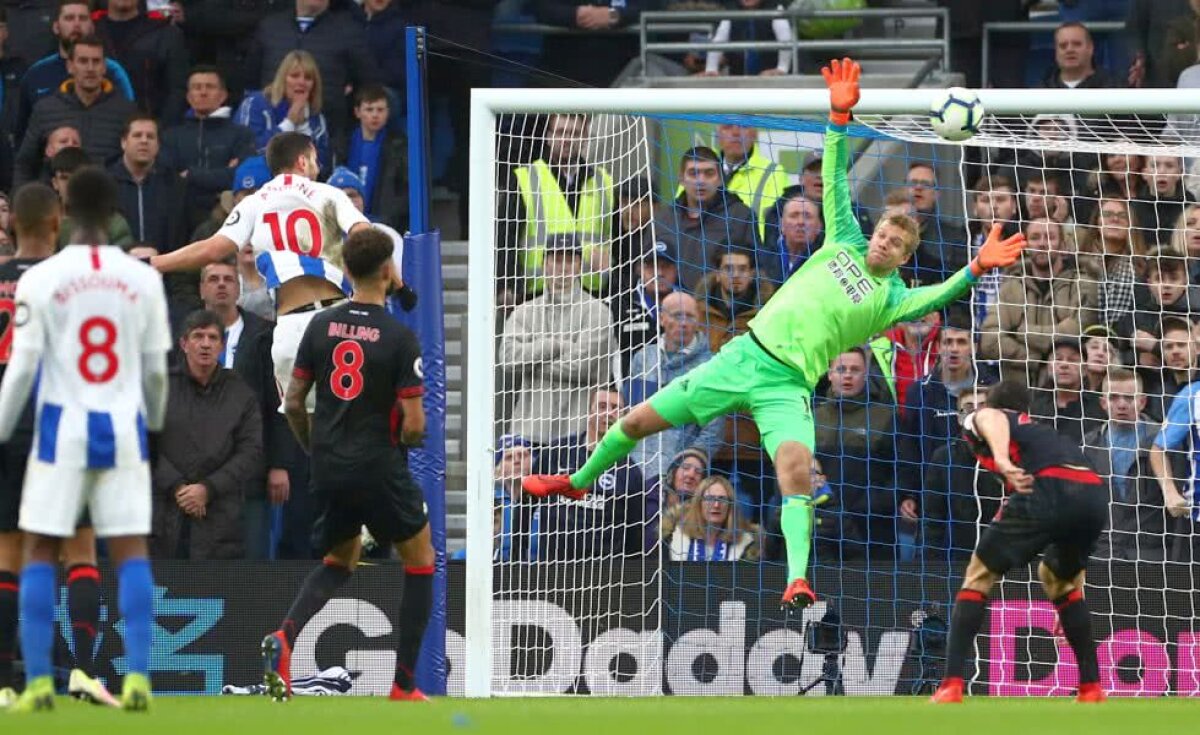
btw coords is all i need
(742, 377)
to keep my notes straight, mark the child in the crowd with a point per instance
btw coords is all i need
(378, 157)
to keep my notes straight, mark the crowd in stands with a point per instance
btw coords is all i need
(1098, 318)
(177, 101)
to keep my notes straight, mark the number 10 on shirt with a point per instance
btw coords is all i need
(287, 237)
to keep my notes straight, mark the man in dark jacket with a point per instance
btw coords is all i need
(210, 449)
(153, 52)
(704, 219)
(151, 195)
(1073, 411)
(1120, 452)
(931, 406)
(335, 40)
(248, 353)
(86, 102)
(855, 436)
(1074, 61)
(73, 22)
(207, 146)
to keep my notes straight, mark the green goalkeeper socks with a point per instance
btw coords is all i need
(614, 446)
(797, 522)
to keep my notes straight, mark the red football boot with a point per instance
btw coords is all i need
(1091, 694)
(277, 666)
(950, 692)
(798, 595)
(543, 486)
(399, 695)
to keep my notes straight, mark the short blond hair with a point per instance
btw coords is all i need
(908, 228)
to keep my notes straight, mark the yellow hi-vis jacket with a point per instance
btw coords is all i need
(547, 212)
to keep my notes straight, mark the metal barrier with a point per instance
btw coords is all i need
(648, 24)
(1033, 26)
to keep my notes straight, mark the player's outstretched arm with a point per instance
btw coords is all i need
(195, 256)
(995, 253)
(841, 227)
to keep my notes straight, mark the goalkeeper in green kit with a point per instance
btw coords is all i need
(846, 293)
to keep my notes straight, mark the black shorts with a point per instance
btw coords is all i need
(14, 456)
(1061, 519)
(379, 495)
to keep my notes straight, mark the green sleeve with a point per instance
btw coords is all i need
(841, 228)
(917, 302)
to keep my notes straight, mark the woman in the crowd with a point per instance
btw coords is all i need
(681, 481)
(712, 529)
(291, 102)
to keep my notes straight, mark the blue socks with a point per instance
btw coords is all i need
(135, 595)
(37, 618)
(38, 590)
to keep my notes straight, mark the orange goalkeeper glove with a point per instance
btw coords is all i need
(842, 80)
(997, 253)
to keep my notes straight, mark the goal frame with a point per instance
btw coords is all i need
(488, 104)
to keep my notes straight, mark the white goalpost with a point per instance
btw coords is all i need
(556, 608)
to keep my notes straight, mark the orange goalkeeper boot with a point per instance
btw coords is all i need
(543, 486)
(1091, 693)
(798, 595)
(950, 692)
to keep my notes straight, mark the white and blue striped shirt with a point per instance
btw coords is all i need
(296, 227)
(94, 318)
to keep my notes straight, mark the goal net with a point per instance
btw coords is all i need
(622, 237)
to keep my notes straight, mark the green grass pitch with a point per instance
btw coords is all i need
(583, 716)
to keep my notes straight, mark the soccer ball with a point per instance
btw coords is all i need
(956, 114)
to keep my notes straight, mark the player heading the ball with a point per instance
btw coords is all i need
(296, 226)
(847, 292)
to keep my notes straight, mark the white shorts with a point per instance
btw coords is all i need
(54, 497)
(289, 331)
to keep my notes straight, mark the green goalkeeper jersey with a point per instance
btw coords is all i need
(833, 303)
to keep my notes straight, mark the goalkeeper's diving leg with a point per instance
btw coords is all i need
(616, 444)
